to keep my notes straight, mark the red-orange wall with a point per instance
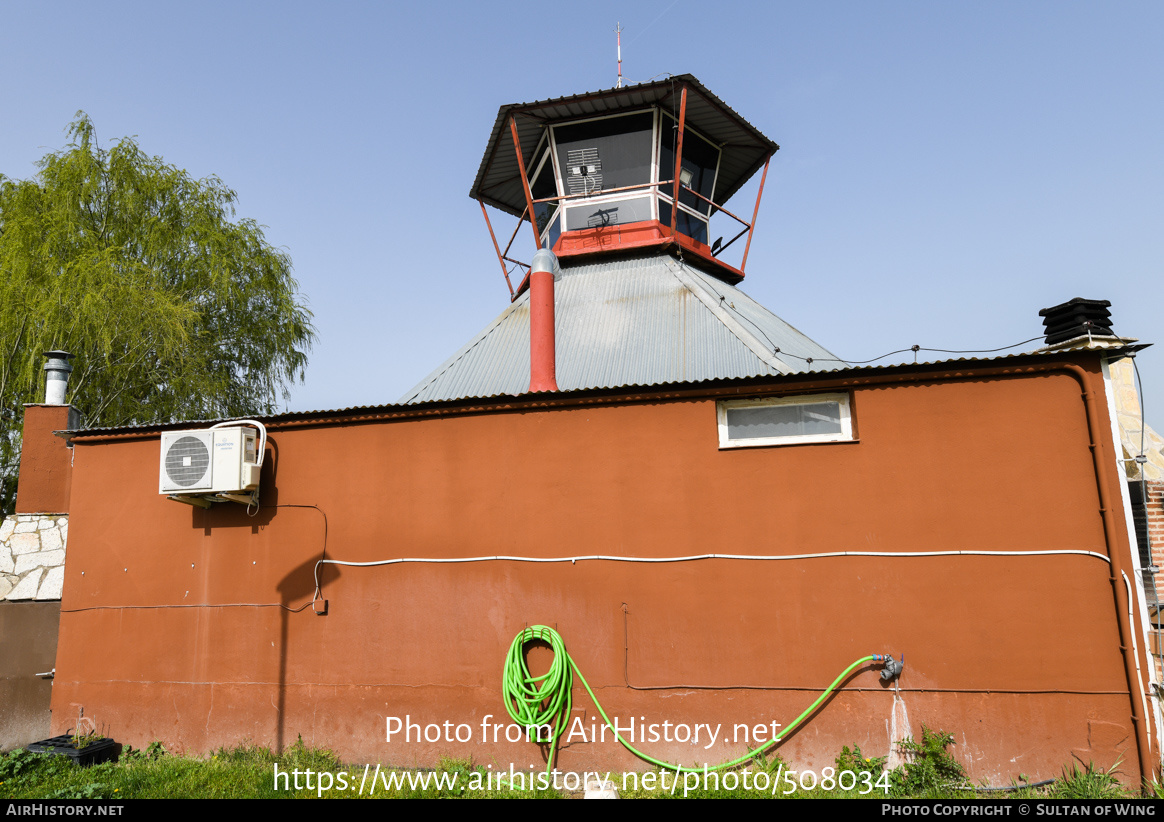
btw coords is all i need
(171, 630)
(45, 460)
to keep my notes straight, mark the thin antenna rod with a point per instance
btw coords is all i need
(618, 31)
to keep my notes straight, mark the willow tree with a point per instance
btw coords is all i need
(173, 308)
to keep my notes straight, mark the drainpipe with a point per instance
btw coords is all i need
(541, 321)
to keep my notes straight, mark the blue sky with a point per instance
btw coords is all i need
(947, 169)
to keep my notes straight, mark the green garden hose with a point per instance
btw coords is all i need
(545, 700)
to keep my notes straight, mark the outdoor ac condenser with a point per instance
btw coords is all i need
(220, 460)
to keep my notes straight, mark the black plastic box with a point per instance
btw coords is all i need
(101, 750)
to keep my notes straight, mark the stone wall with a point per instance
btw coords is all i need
(1132, 429)
(32, 556)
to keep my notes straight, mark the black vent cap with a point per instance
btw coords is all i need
(1076, 318)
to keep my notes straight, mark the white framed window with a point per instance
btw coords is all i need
(784, 420)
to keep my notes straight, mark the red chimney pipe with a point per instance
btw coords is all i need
(541, 321)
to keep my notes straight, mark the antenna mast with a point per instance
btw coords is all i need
(618, 31)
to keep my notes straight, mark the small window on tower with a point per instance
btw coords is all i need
(784, 421)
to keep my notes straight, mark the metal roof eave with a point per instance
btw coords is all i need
(341, 415)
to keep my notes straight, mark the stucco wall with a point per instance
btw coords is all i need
(45, 459)
(195, 627)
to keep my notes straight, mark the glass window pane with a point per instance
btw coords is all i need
(692, 226)
(616, 212)
(603, 154)
(699, 159)
(753, 422)
(554, 233)
(544, 186)
(689, 224)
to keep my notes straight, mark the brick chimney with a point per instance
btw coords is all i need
(45, 460)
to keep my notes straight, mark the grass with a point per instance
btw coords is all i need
(253, 772)
(1089, 783)
(243, 772)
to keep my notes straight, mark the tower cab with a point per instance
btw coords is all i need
(624, 170)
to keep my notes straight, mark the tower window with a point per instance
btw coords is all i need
(598, 155)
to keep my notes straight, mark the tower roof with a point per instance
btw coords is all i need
(643, 320)
(745, 149)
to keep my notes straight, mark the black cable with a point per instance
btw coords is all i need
(984, 350)
(913, 348)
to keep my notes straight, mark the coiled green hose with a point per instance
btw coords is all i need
(545, 700)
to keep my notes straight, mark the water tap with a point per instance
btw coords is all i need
(892, 668)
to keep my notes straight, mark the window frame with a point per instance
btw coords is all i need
(600, 195)
(718, 149)
(658, 195)
(843, 399)
(555, 207)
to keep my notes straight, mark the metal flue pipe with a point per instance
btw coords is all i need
(543, 270)
(57, 370)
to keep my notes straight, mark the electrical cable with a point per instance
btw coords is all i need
(697, 557)
(914, 348)
(536, 701)
(983, 350)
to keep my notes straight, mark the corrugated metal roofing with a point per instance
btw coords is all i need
(832, 368)
(745, 148)
(640, 321)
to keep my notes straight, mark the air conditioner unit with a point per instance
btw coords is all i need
(222, 460)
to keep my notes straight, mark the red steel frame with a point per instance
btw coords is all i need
(679, 159)
(524, 182)
(755, 213)
(497, 248)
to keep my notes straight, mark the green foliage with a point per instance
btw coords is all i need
(21, 762)
(245, 753)
(304, 758)
(92, 790)
(855, 761)
(174, 309)
(21, 770)
(929, 770)
(84, 740)
(247, 770)
(155, 750)
(770, 761)
(1088, 783)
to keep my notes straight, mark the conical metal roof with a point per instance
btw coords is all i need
(630, 322)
